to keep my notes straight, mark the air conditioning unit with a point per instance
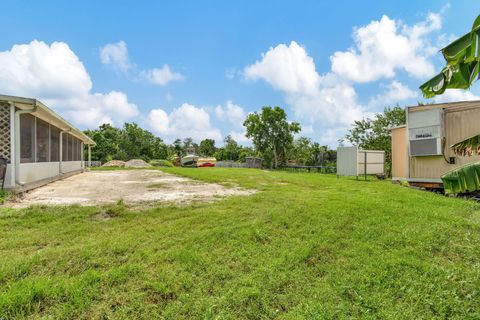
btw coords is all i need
(425, 132)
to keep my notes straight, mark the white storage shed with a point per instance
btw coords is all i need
(352, 161)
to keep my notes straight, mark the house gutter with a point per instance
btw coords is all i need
(17, 138)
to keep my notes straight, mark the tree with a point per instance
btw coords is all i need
(301, 150)
(140, 143)
(177, 148)
(207, 147)
(306, 152)
(232, 149)
(127, 143)
(271, 133)
(375, 133)
(107, 139)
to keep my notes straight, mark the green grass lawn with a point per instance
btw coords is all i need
(306, 246)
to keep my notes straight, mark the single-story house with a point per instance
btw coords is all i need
(421, 149)
(38, 144)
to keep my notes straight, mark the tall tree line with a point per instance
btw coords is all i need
(273, 138)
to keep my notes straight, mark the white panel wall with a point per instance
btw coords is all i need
(70, 166)
(375, 161)
(32, 172)
(10, 177)
(351, 161)
(347, 161)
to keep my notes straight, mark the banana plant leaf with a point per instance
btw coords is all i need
(463, 64)
(467, 147)
(456, 76)
(462, 179)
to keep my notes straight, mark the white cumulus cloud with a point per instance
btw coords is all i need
(116, 55)
(54, 74)
(328, 103)
(384, 46)
(453, 95)
(394, 93)
(161, 76)
(313, 97)
(232, 113)
(185, 121)
(286, 68)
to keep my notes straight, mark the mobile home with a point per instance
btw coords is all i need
(38, 145)
(421, 150)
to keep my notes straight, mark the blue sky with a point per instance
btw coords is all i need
(196, 68)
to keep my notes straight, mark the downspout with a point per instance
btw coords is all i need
(60, 171)
(17, 139)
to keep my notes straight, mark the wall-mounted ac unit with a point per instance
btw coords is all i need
(425, 132)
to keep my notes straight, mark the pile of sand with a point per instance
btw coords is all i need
(114, 163)
(136, 163)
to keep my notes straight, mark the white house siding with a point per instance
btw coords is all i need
(33, 172)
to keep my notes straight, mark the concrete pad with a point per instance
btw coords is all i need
(131, 186)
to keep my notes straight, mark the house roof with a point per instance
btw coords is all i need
(45, 113)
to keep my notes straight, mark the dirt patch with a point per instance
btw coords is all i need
(129, 186)
(103, 216)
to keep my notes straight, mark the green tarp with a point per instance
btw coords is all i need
(463, 179)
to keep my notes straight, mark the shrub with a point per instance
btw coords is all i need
(160, 163)
(3, 196)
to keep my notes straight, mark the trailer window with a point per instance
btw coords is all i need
(27, 138)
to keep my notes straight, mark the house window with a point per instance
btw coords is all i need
(27, 138)
(43, 141)
(70, 148)
(65, 147)
(79, 150)
(75, 149)
(54, 144)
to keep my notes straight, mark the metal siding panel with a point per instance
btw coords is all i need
(399, 153)
(347, 161)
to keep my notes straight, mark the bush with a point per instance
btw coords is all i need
(3, 196)
(160, 163)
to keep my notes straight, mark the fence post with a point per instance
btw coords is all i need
(365, 164)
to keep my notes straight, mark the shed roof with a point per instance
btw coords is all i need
(45, 113)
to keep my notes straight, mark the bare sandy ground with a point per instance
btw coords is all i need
(131, 186)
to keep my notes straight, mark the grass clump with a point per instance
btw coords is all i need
(306, 246)
(4, 195)
(160, 163)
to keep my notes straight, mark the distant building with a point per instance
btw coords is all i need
(38, 145)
